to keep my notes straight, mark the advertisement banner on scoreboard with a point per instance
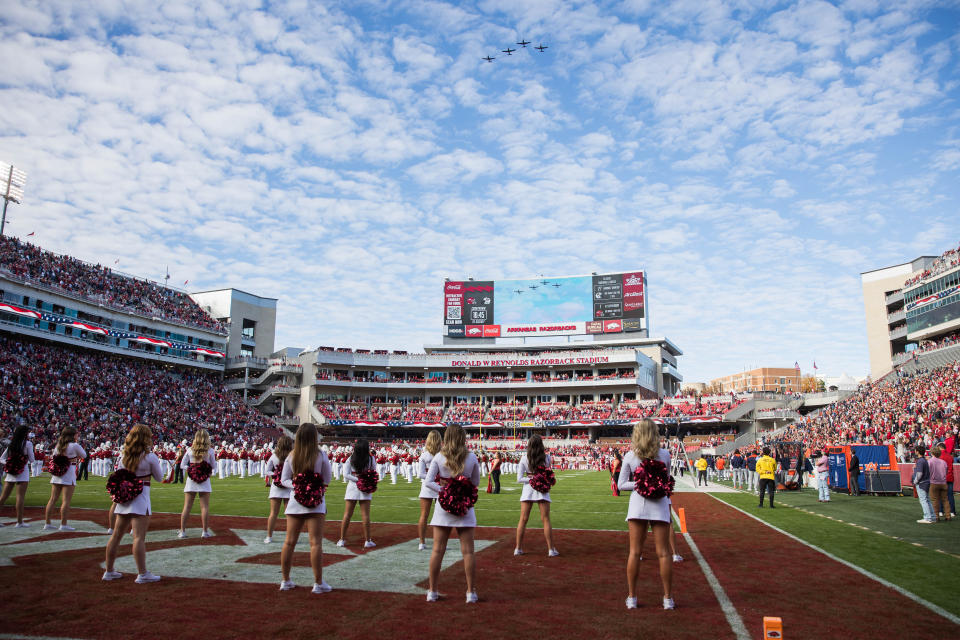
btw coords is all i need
(568, 305)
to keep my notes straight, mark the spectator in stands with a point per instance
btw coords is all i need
(921, 482)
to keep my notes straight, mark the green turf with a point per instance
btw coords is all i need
(923, 570)
(582, 500)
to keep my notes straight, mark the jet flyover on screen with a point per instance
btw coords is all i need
(523, 43)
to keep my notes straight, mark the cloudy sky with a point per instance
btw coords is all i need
(752, 157)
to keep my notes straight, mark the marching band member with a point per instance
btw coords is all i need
(198, 461)
(359, 461)
(67, 452)
(394, 464)
(279, 494)
(137, 459)
(427, 495)
(535, 458)
(451, 461)
(306, 458)
(16, 461)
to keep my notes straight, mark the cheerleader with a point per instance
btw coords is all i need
(452, 460)
(644, 512)
(16, 460)
(359, 461)
(198, 453)
(535, 458)
(279, 494)
(138, 459)
(306, 458)
(62, 486)
(427, 495)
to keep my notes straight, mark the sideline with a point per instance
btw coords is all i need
(733, 618)
(908, 594)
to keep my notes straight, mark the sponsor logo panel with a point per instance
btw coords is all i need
(631, 325)
(456, 331)
(474, 331)
(491, 331)
(594, 326)
(612, 326)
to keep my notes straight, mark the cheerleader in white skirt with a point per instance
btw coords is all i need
(278, 494)
(452, 460)
(63, 486)
(136, 513)
(427, 495)
(305, 457)
(199, 451)
(644, 512)
(19, 443)
(535, 457)
(359, 460)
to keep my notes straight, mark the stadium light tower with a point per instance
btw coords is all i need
(12, 186)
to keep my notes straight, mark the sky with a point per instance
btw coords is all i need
(571, 300)
(752, 157)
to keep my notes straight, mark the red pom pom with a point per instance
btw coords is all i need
(59, 465)
(123, 486)
(308, 489)
(199, 472)
(15, 463)
(652, 480)
(367, 480)
(458, 496)
(542, 479)
(277, 474)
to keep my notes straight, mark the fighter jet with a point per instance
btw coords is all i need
(534, 286)
(509, 51)
(541, 48)
(488, 58)
(523, 43)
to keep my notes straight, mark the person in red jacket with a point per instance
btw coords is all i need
(946, 457)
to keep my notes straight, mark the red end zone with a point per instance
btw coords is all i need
(579, 594)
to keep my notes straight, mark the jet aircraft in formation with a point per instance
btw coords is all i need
(523, 44)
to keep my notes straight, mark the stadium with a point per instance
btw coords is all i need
(476, 319)
(84, 345)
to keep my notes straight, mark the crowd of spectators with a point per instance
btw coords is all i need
(29, 262)
(506, 411)
(465, 413)
(48, 387)
(904, 410)
(592, 411)
(947, 261)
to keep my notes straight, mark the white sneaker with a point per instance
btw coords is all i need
(267, 540)
(111, 575)
(472, 597)
(553, 553)
(369, 544)
(631, 603)
(109, 532)
(48, 527)
(433, 596)
(144, 578)
(668, 603)
(518, 552)
(66, 527)
(21, 525)
(206, 534)
(322, 587)
(677, 557)
(287, 585)
(341, 543)
(181, 534)
(421, 547)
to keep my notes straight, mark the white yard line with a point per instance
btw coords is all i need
(909, 594)
(729, 611)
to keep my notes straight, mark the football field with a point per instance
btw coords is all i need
(857, 564)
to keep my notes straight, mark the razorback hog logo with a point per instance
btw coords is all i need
(612, 325)
(396, 569)
(474, 331)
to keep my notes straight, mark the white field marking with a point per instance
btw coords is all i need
(394, 569)
(729, 611)
(909, 594)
